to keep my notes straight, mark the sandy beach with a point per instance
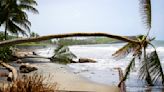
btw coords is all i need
(66, 79)
(69, 81)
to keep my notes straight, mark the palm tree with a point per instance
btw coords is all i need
(14, 17)
(150, 69)
(62, 54)
(33, 34)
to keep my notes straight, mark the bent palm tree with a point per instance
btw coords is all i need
(150, 69)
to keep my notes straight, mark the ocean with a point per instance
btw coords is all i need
(103, 70)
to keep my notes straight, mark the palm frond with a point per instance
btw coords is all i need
(15, 29)
(144, 72)
(29, 2)
(125, 50)
(29, 8)
(22, 23)
(60, 48)
(62, 54)
(128, 69)
(155, 67)
(145, 8)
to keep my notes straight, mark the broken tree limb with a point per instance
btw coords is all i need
(41, 38)
(10, 69)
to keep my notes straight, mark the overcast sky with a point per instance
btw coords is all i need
(120, 17)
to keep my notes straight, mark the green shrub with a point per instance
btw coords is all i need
(63, 55)
(5, 52)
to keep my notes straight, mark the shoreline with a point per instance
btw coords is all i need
(67, 80)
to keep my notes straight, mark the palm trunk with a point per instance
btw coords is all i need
(36, 39)
(6, 35)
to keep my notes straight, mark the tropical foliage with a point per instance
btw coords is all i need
(33, 34)
(150, 70)
(14, 17)
(62, 54)
(5, 52)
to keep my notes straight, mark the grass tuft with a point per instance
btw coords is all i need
(33, 83)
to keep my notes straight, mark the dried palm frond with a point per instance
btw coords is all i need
(145, 8)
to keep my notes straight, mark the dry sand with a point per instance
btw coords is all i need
(67, 80)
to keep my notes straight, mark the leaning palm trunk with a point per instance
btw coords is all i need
(41, 38)
(36, 39)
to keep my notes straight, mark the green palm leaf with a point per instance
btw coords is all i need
(29, 8)
(29, 2)
(128, 69)
(155, 67)
(62, 54)
(126, 49)
(15, 29)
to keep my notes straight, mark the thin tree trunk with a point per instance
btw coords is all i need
(41, 38)
(6, 35)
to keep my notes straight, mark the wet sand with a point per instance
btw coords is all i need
(69, 81)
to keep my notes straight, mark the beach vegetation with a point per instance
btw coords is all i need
(14, 17)
(5, 52)
(62, 54)
(85, 41)
(150, 66)
(31, 83)
(15, 20)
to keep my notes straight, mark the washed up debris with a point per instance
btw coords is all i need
(27, 68)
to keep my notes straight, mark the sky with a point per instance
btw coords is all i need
(121, 17)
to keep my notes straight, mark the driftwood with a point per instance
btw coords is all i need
(27, 68)
(3, 74)
(86, 60)
(12, 71)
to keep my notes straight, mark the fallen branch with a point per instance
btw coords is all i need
(41, 38)
(10, 69)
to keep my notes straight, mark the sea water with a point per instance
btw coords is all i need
(103, 71)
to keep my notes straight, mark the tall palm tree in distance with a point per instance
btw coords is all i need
(14, 17)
